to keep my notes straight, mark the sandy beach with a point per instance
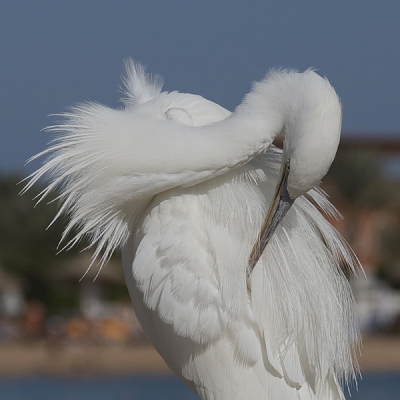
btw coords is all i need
(379, 353)
(26, 359)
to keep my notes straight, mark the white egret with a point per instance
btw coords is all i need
(183, 187)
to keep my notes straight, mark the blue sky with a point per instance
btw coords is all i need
(54, 54)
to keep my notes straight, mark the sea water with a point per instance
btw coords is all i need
(374, 386)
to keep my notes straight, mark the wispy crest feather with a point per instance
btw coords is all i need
(139, 86)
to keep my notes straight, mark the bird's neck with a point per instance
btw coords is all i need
(206, 152)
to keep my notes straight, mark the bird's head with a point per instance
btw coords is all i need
(311, 138)
(312, 135)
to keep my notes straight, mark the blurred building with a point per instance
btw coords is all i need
(99, 318)
(11, 295)
(83, 272)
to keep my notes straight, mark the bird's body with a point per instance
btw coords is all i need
(183, 187)
(189, 292)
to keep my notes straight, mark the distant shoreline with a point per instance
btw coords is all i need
(379, 353)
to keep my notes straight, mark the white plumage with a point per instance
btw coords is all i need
(183, 186)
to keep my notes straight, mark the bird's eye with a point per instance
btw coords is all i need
(179, 115)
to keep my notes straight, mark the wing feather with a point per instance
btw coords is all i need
(189, 298)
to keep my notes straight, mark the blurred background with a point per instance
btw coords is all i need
(80, 339)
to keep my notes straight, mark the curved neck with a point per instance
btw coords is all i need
(190, 155)
(303, 105)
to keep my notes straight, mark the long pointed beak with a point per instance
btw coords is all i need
(280, 205)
